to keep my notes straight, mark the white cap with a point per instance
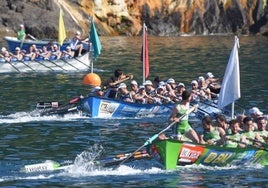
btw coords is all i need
(171, 81)
(141, 87)
(148, 82)
(134, 82)
(21, 25)
(122, 85)
(181, 84)
(78, 33)
(68, 47)
(17, 48)
(209, 75)
(160, 87)
(255, 110)
(3, 49)
(201, 78)
(194, 82)
(97, 88)
(162, 83)
(55, 45)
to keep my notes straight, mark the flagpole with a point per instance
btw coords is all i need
(91, 52)
(143, 52)
(232, 115)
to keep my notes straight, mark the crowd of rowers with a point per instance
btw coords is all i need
(51, 51)
(243, 131)
(157, 92)
(47, 52)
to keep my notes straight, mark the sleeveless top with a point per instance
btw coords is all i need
(183, 125)
(125, 97)
(213, 135)
(250, 135)
(233, 144)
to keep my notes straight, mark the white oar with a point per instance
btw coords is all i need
(46, 166)
(50, 165)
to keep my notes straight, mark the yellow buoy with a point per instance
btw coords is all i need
(92, 79)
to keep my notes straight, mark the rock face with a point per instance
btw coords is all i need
(125, 17)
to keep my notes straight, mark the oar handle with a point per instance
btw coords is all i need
(120, 81)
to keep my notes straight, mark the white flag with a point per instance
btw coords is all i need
(230, 88)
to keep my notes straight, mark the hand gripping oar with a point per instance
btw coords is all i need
(150, 140)
(250, 145)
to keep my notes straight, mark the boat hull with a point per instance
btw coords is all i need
(77, 64)
(174, 153)
(97, 107)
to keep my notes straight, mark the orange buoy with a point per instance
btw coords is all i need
(92, 79)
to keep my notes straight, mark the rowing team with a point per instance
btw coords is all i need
(50, 52)
(160, 92)
(243, 131)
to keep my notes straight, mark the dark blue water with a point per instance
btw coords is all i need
(27, 139)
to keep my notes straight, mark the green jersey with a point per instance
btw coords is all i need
(233, 141)
(21, 35)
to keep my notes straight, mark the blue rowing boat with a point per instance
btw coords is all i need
(97, 107)
(13, 42)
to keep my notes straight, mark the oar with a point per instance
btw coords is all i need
(246, 144)
(22, 41)
(120, 81)
(81, 62)
(111, 161)
(263, 145)
(70, 64)
(13, 66)
(108, 90)
(27, 65)
(49, 110)
(54, 63)
(31, 36)
(21, 61)
(44, 65)
(150, 140)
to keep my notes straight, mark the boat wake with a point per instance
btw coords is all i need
(24, 117)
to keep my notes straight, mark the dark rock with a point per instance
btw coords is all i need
(40, 17)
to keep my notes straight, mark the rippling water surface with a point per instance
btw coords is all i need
(26, 139)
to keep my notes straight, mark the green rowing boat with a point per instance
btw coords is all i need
(174, 153)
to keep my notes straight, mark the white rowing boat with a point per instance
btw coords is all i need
(76, 64)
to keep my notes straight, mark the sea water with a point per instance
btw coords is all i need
(29, 139)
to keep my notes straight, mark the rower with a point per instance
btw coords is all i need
(114, 81)
(125, 94)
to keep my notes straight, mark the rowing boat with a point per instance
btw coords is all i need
(13, 42)
(104, 108)
(97, 107)
(76, 64)
(173, 153)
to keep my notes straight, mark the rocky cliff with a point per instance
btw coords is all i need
(125, 17)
